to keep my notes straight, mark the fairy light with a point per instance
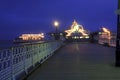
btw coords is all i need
(76, 28)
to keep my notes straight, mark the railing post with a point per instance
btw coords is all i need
(33, 55)
(12, 64)
(24, 59)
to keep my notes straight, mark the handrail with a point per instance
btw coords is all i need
(19, 60)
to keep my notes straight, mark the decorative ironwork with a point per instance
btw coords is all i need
(17, 60)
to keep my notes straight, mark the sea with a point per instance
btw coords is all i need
(5, 44)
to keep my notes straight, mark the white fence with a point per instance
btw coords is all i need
(111, 42)
(18, 61)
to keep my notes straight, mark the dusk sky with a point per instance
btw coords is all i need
(35, 16)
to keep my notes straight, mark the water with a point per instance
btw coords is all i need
(6, 44)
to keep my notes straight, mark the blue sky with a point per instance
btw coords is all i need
(35, 16)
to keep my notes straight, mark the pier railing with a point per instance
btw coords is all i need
(19, 61)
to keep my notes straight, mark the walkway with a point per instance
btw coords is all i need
(79, 61)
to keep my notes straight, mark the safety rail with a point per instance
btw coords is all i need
(19, 61)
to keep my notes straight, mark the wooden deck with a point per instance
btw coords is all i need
(79, 61)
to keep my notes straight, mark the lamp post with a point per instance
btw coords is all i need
(117, 63)
(56, 34)
(56, 24)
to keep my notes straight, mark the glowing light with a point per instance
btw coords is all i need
(81, 37)
(106, 35)
(75, 37)
(76, 28)
(56, 24)
(106, 31)
(100, 32)
(61, 34)
(32, 36)
(87, 37)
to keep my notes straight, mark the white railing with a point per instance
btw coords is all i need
(111, 42)
(19, 61)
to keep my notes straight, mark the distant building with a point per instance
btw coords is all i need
(39, 36)
(94, 37)
(103, 38)
(26, 38)
(76, 32)
(59, 35)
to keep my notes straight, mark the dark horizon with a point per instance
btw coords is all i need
(28, 16)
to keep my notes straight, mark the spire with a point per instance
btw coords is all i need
(74, 20)
(74, 23)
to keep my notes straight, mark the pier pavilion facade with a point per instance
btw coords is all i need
(77, 33)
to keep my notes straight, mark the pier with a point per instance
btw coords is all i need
(17, 62)
(73, 61)
(79, 61)
(37, 41)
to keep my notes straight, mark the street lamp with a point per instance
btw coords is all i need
(56, 34)
(117, 63)
(56, 24)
